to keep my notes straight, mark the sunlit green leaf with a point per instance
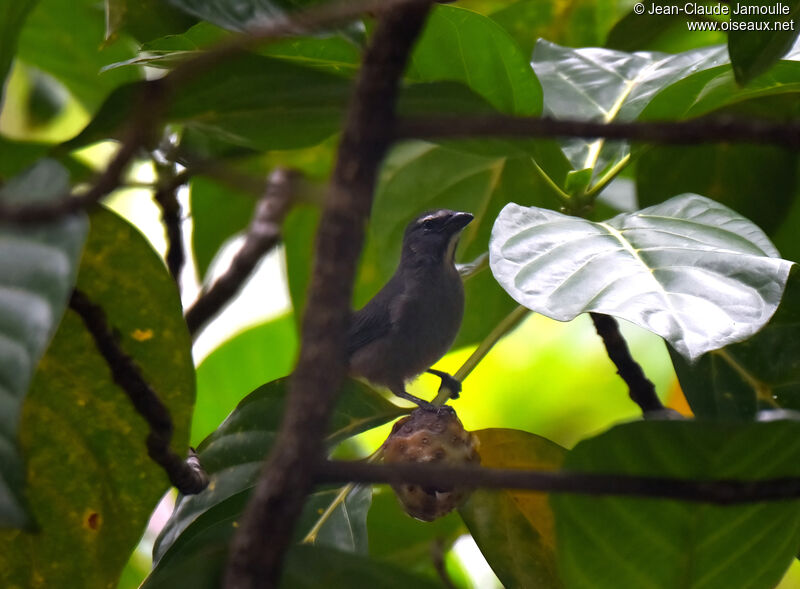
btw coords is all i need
(466, 47)
(38, 267)
(91, 485)
(65, 39)
(612, 542)
(260, 354)
(754, 47)
(12, 17)
(690, 269)
(515, 530)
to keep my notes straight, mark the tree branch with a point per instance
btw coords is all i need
(716, 491)
(262, 235)
(166, 196)
(641, 389)
(187, 476)
(266, 526)
(702, 130)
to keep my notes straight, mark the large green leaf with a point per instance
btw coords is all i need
(463, 46)
(65, 39)
(706, 91)
(515, 530)
(38, 267)
(260, 354)
(144, 19)
(690, 269)
(607, 85)
(612, 542)
(16, 156)
(762, 372)
(12, 17)
(754, 47)
(729, 173)
(239, 15)
(581, 24)
(232, 455)
(401, 540)
(91, 485)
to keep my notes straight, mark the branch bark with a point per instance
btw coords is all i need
(262, 235)
(702, 130)
(716, 491)
(265, 530)
(187, 475)
(640, 388)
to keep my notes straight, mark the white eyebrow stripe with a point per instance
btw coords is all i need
(430, 217)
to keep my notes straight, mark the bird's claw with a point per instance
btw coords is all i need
(449, 381)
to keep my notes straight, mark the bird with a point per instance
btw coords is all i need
(412, 321)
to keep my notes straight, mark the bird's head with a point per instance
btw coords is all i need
(432, 237)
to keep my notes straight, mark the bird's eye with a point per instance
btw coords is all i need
(428, 224)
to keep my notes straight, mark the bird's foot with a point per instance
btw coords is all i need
(421, 403)
(452, 384)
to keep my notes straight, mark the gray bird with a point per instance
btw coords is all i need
(415, 317)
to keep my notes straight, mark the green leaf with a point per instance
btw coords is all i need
(144, 19)
(401, 540)
(606, 85)
(240, 15)
(582, 24)
(729, 173)
(515, 530)
(91, 485)
(421, 176)
(612, 542)
(661, 28)
(714, 88)
(762, 372)
(260, 354)
(690, 270)
(212, 230)
(754, 50)
(232, 455)
(12, 17)
(65, 39)
(38, 268)
(463, 46)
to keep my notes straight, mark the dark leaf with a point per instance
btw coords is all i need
(515, 530)
(38, 268)
(690, 270)
(762, 35)
(12, 17)
(612, 542)
(91, 485)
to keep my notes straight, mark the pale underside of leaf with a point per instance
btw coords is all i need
(689, 269)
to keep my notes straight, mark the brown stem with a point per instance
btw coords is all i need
(266, 526)
(703, 130)
(716, 491)
(187, 475)
(641, 389)
(262, 235)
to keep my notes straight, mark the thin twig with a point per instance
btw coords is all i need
(641, 389)
(715, 491)
(508, 323)
(187, 475)
(287, 476)
(171, 215)
(702, 130)
(262, 235)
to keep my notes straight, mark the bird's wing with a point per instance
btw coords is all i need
(374, 320)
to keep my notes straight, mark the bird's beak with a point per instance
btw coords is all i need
(458, 221)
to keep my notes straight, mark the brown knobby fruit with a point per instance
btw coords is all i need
(436, 437)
